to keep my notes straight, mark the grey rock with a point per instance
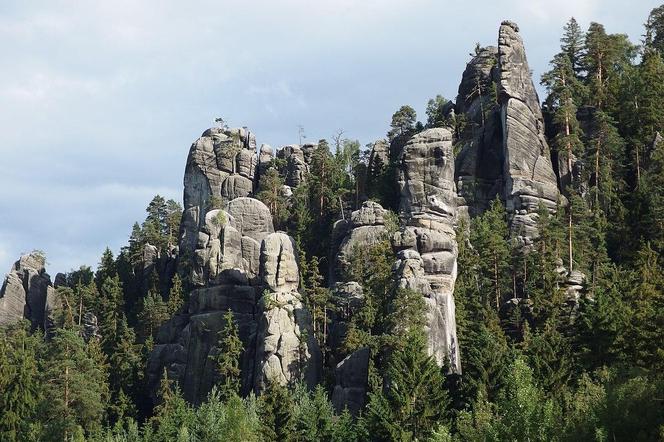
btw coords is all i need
(278, 263)
(221, 165)
(352, 375)
(426, 174)
(250, 217)
(370, 214)
(528, 173)
(286, 350)
(426, 244)
(25, 290)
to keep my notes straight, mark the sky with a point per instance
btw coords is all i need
(101, 100)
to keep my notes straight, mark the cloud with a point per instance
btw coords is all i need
(101, 100)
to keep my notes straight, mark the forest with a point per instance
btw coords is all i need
(536, 365)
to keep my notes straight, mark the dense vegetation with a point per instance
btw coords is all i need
(535, 366)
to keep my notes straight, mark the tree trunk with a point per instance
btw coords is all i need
(570, 237)
(597, 172)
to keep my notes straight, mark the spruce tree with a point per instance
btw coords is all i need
(175, 296)
(75, 389)
(571, 44)
(19, 384)
(415, 401)
(275, 409)
(227, 359)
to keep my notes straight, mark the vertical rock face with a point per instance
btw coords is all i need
(287, 350)
(478, 169)
(353, 376)
(427, 249)
(25, 292)
(235, 261)
(220, 167)
(528, 173)
(503, 150)
(297, 165)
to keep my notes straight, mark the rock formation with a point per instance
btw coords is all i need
(528, 173)
(235, 261)
(220, 167)
(26, 291)
(504, 150)
(287, 350)
(426, 245)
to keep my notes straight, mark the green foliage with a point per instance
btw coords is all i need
(403, 122)
(19, 383)
(271, 186)
(74, 387)
(227, 359)
(415, 401)
(152, 314)
(275, 409)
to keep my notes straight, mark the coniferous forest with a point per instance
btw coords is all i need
(560, 339)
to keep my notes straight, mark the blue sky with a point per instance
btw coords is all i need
(100, 101)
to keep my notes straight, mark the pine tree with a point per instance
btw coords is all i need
(415, 401)
(403, 122)
(654, 37)
(75, 389)
(175, 296)
(571, 44)
(563, 87)
(275, 409)
(227, 359)
(172, 221)
(19, 384)
(489, 237)
(317, 300)
(271, 192)
(434, 111)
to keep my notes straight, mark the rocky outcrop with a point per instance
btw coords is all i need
(235, 262)
(426, 244)
(296, 165)
(25, 292)
(287, 350)
(478, 168)
(503, 149)
(352, 376)
(220, 167)
(528, 172)
(364, 228)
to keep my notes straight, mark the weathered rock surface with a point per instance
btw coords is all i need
(365, 228)
(528, 172)
(25, 291)
(220, 167)
(426, 244)
(296, 165)
(236, 262)
(352, 376)
(478, 169)
(504, 151)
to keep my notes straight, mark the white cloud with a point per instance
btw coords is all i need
(101, 100)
